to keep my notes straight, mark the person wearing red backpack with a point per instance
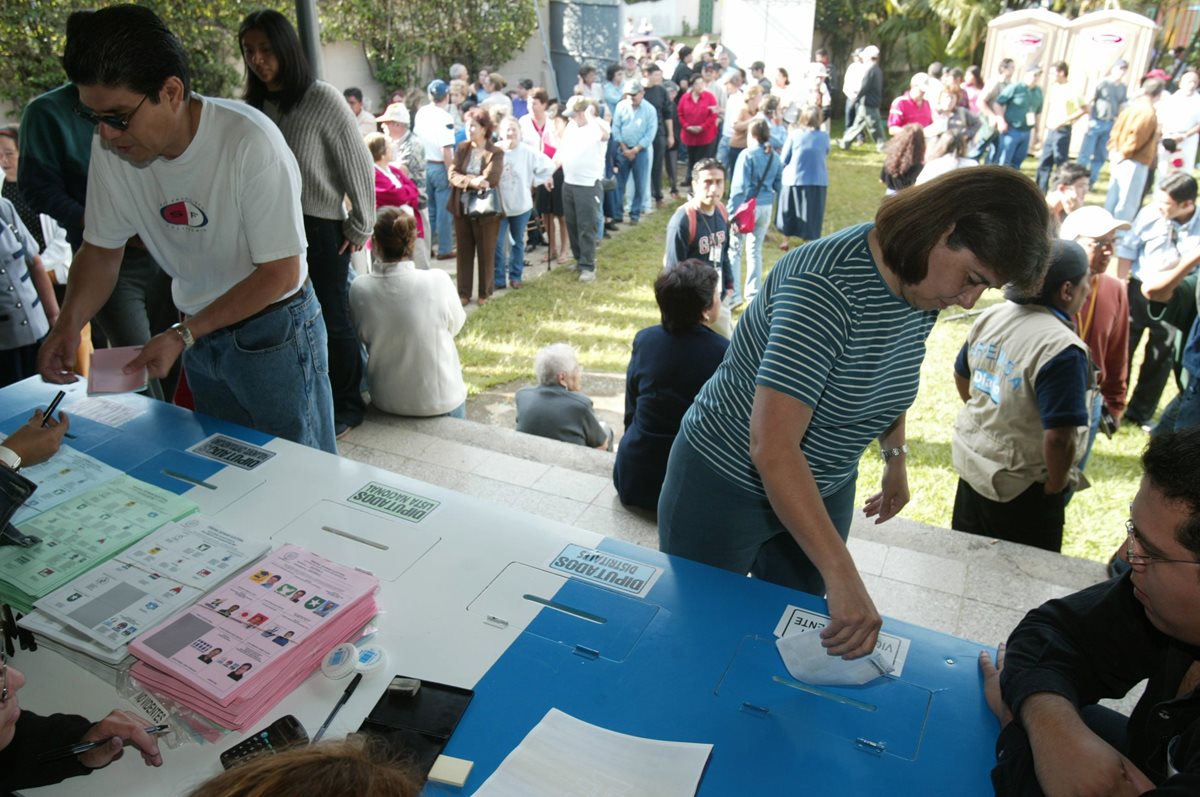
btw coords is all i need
(700, 229)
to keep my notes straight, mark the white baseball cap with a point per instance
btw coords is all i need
(1090, 221)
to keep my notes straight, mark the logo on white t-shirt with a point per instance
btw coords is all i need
(184, 213)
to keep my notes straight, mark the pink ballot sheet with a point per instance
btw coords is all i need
(256, 637)
(106, 372)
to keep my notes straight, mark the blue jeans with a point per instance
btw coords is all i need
(270, 373)
(752, 242)
(329, 272)
(1093, 151)
(1054, 154)
(440, 219)
(637, 167)
(514, 258)
(1014, 146)
(704, 517)
(1188, 414)
(1125, 188)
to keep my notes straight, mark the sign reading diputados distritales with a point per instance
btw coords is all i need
(226, 449)
(605, 569)
(396, 503)
(795, 620)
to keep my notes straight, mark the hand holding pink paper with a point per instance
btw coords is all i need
(106, 373)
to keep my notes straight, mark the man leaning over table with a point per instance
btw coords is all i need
(24, 736)
(1069, 653)
(214, 192)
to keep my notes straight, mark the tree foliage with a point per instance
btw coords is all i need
(408, 41)
(33, 32)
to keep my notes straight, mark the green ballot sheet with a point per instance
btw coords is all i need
(81, 533)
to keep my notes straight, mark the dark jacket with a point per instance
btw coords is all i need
(19, 768)
(493, 167)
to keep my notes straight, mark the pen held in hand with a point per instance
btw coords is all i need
(53, 406)
(83, 747)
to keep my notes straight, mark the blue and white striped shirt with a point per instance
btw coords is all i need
(827, 331)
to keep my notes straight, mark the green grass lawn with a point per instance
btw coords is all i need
(600, 319)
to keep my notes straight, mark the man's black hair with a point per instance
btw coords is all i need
(1180, 186)
(123, 46)
(354, 92)
(1172, 464)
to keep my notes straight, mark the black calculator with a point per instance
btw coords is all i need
(281, 734)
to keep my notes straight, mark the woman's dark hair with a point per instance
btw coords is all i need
(10, 131)
(997, 213)
(395, 234)
(761, 132)
(905, 149)
(294, 71)
(611, 71)
(1172, 464)
(377, 145)
(946, 143)
(481, 117)
(539, 93)
(787, 81)
(976, 76)
(123, 46)
(683, 292)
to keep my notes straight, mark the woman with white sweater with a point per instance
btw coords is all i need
(321, 131)
(524, 167)
(407, 319)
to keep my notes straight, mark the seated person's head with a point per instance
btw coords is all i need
(395, 235)
(687, 293)
(1072, 181)
(378, 145)
(557, 364)
(1165, 525)
(330, 769)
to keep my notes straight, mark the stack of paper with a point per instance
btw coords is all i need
(61, 478)
(81, 533)
(251, 641)
(108, 607)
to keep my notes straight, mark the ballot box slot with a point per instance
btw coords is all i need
(565, 609)
(819, 692)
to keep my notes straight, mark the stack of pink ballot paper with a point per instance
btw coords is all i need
(251, 641)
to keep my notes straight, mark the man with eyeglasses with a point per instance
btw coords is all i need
(56, 145)
(1098, 643)
(212, 189)
(1103, 320)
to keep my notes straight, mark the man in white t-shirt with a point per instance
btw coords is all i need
(434, 126)
(213, 191)
(580, 153)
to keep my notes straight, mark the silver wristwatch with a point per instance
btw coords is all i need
(889, 454)
(185, 334)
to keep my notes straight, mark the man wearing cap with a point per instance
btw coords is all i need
(1107, 101)
(911, 108)
(1132, 146)
(635, 124)
(409, 151)
(1103, 321)
(1163, 233)
(580, 154)
(362, 117)
(1025, 379)
(1064, 107)
(434, 128)
(1016, 109)
(664, 137)
(867, 102)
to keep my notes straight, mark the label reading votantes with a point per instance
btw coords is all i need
(396, 503)
(238, 453)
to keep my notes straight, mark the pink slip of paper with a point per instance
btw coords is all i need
(106, 371)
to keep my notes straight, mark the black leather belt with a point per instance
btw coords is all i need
(270, 308)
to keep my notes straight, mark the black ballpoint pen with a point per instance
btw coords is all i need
(341, 702)
(53, 406)
(83, 747)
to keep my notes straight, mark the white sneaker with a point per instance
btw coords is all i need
(587, 275)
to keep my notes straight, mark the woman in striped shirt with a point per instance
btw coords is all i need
(761, 476)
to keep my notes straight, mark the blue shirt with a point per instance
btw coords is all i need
(804, 157)
(828, 332)
(635, 127)
(520, 107)
(752, 164)
(612, 96)
(1154, 242)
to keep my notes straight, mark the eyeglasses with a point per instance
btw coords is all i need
(3, 679)
(115, 122)
(1135, 538)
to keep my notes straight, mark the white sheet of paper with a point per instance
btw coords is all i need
(566, 757)
(105, 411)
(808, 661)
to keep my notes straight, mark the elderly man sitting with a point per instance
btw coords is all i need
(555, 408)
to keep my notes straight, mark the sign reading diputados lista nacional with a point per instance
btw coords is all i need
(394, 502)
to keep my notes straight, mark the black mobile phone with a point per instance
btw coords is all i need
(281, 734)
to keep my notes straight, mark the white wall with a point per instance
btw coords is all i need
(777, 32)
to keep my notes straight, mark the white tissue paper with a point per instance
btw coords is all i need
(808, 661)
